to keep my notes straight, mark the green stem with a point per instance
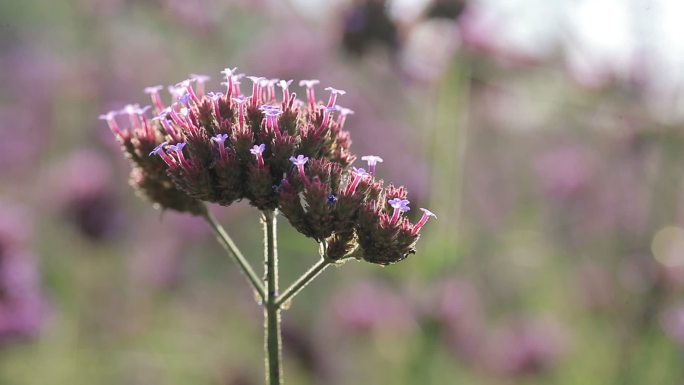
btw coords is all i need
(271, 310)
(232, 249)
(304, 280)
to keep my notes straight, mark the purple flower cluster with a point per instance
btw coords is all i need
(276, 152)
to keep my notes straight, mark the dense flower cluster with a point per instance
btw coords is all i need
(276, 152)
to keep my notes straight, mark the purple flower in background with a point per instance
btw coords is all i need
(564, 171)
(673, 324)
(22, 307)
(457, 308)
(90, 203)
(370, 307)
(526, 347)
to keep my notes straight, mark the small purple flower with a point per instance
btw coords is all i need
(176, 92)
(240, 101)
(372, 160)
(327, 114)
(153, 89)
(300, 161)
(214, 96)
(177, 148)
(359, 175)
(343, 115)
(423, 220)
(272, 113)
(268, 89)
(269, 107)
(187, 84)
(403, 204)
(285, 85)
(185, 99)
(200, 78)
(399, 206)
(110, 117)
(133, 116)
(220, 140)
(154, 95)
(230, 78)
(333, 95)
(309, 84)
(229, 72)
(159, 150)
(258, 151)
(130, 109)
(256, 79)
(332, 199)
(256, 88)
(360, 172)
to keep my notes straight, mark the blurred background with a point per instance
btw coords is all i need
(546, 135)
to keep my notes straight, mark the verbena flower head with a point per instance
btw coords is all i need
(223, 147)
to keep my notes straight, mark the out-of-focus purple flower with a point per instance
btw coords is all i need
(370, 307)
(458, 310)
(81, 188)
(673, 324)
(596, 286)
(564, 171)
(526, 347)
(22, 307)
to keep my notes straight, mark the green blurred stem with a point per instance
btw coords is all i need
(232, 249)
(271, 309)
(304, 280)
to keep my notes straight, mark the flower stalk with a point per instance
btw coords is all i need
(273, 338)
(303, 281)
